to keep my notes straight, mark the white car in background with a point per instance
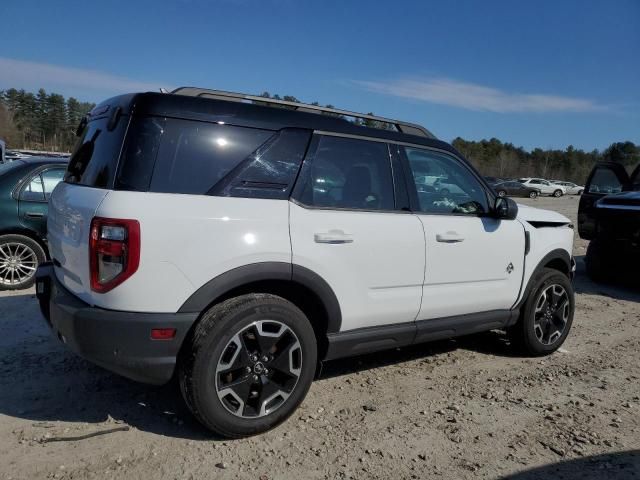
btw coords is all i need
(545, 186)
(572, 188)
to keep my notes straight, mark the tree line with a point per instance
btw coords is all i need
(40, 121)
(47, 121)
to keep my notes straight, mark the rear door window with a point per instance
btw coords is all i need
(271, 170)
(33, 190)
(347, 173)
(51, 178)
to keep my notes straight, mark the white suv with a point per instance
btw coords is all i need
(240, 245)
(545, 186)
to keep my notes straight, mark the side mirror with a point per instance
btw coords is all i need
(505, 208)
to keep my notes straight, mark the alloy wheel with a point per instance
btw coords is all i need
(551, 314)
(259, 369)
(18, 263)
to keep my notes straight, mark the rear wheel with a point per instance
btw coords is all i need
(547, 315)
(248, 364)
(557, 193)
(502, 193)
(19, 259)
(533, 194)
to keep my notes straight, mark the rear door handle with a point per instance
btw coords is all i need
(449, 237)
(34, 214)
(333, 237)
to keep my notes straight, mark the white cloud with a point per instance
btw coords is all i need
(476, 97)
(33, 75)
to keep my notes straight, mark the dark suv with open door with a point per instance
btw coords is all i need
(609, 216)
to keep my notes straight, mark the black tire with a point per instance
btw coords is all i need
(210, 344)
(502, 193)
(524, 335)
(580, 192)
(598, 262)
(557, 193)
(33, 255)
(533, 194)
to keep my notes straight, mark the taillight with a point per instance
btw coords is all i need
(114, 252)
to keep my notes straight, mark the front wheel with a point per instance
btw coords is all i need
(19, 259)
(248, 364)
(547, 315)
(557, 193)
(533, 194)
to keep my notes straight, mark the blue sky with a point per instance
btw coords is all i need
(537, 74)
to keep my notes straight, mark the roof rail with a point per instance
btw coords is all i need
(403, 127)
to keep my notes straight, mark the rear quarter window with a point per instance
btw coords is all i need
(195, 156)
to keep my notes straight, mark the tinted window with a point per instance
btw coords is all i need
(604, 180)
(348, 173)
(444, 185)
(33, 191)
(94, 160)
(51, 178)
(535, 182)
(139, 153)
(270, 171)
(195, 156)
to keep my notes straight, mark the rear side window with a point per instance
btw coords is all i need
(270, 171)
(195, 156)
(95, 158)
(347, 173)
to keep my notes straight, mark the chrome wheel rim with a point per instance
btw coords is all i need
(18, 263)
(259, 369)
(502, 194)
(551, 314)
(532, 195)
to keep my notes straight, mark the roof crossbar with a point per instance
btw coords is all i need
(404, 127)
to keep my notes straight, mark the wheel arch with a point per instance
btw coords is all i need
(558, 259)
(299, 285)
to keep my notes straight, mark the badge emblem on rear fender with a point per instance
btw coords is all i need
(510, 267)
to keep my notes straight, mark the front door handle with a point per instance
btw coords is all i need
(333, 237)
(34, 214)
(449, 237)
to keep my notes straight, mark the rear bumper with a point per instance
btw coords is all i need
(115, 340)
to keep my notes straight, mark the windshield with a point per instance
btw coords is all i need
(9, 166)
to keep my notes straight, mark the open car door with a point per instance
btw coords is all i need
(606, 178)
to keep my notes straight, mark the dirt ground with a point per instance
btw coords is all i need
(457, 409)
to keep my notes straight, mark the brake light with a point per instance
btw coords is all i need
(114, 252)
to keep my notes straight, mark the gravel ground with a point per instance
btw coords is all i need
(455, 409)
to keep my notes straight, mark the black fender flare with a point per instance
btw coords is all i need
(557, 254)
(224, 283)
